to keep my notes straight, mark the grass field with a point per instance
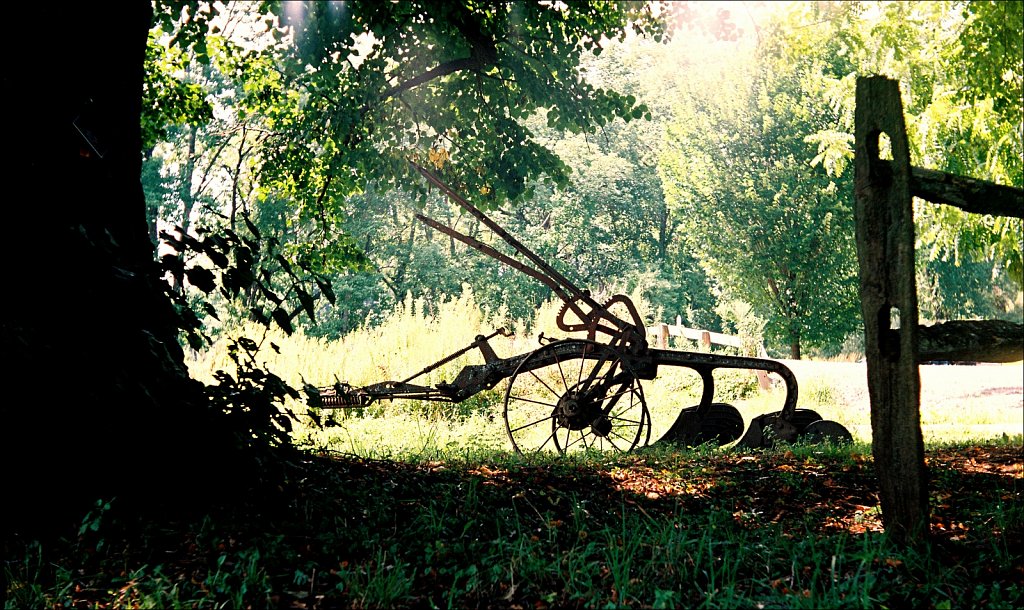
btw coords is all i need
(424, 505)
(959, 403)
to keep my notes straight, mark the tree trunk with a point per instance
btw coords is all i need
(794, 349)
(89, 336)
(885, 250)
(794, 339)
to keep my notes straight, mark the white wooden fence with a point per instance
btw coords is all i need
(706, 338)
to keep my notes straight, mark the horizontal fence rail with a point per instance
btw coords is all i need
(707, 338)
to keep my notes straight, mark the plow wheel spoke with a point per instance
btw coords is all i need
(575, 395)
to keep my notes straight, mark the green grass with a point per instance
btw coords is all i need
(419, 504)
(796, 528)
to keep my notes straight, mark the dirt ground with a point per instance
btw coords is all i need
(941, 384)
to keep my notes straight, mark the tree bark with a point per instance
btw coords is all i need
(885, 250)
(971, 341)
(90, 339)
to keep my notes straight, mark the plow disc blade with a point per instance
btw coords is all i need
(765, 430)
(721, 425)
(801, 418)
(805, 425)
(827, 431)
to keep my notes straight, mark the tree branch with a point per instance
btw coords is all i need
(483, 53)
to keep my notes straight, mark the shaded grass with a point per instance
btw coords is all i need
(796, 527)
(412, 504)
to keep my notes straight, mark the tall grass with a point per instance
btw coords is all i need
(417, 334)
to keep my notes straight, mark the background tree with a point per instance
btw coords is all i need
(775, 231)
(974, 126)
(959, 68)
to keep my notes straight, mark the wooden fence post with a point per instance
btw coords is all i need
(663, 335)
(885, 250)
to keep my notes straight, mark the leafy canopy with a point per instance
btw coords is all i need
(961, 67)
(446, 83)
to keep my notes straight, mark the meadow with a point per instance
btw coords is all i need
(959, 403)
(410, 504)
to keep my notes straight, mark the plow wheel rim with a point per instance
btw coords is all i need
(534, 400)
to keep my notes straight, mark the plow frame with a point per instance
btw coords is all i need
(604, 403)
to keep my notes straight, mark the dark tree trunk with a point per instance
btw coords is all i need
(794, 343)
(885, 250)
(106, 406)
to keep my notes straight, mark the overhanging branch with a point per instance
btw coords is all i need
(483, 53)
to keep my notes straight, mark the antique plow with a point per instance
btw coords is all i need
(572, 394)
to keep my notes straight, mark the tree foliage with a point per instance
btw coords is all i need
(381, 83)
(528, 109)
(959, 65)
(324, 105)
(775, 230)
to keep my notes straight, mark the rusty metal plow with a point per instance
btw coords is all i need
(582, 394)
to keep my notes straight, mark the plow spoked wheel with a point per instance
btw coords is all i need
(575, 395)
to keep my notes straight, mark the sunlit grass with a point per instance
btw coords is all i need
(958, 403)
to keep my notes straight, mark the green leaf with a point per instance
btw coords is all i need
(201, 278)
(283, 320)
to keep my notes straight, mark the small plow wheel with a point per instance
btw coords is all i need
(575, 395)
(826, 431)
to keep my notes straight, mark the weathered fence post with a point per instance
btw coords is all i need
(885, 249)
(663, 335)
